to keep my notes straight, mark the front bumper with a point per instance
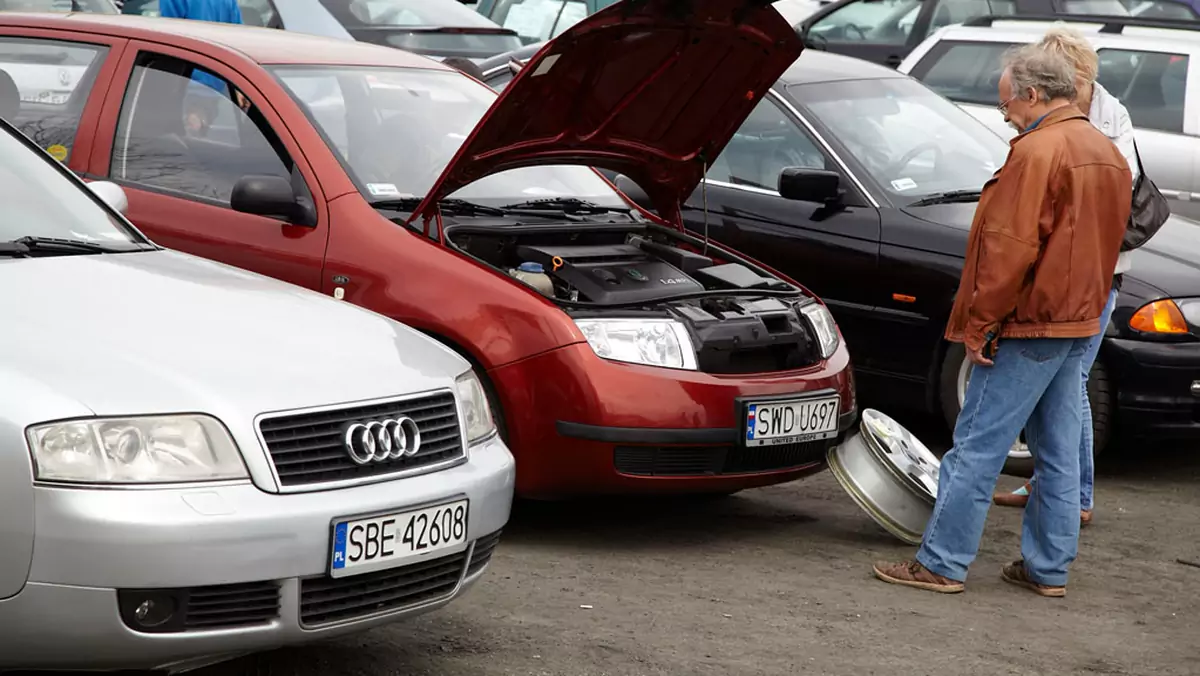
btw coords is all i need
(1158, 386)
(91, 543)
(579, 424)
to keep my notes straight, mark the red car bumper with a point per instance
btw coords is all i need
(579, 424)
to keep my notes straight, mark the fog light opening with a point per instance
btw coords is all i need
(151, 610)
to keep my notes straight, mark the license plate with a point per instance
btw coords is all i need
(771, 423)
(381, 542)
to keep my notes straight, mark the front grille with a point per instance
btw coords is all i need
(325, 600)
(484, 547)
(716, 460)
(309, 448)
(231, 605)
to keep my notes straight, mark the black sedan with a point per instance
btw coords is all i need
(862, 182)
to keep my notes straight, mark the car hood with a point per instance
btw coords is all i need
(163, 332)
(652, 89)
(1170, 261)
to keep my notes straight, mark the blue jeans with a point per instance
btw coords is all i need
(1087, 459)
(1034, 384)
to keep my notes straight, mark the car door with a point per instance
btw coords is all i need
(833, 252)
(1153, 86)
(181, 131)
(882, 31)
(52, 87)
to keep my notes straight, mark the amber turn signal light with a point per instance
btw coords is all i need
(1161, 316)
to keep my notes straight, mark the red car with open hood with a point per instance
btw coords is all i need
(622, 354)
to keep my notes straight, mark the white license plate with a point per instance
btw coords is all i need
(770, 423)
(381, 542)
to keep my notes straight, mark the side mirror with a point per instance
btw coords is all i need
(271, 196)
(111, 194)
(810, 185)
(633, 191)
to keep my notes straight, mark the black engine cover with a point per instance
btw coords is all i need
(610, 274)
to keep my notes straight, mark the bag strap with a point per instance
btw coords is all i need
(1138, 157)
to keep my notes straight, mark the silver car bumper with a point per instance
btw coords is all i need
(92, 543)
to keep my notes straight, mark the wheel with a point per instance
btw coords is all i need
(956, 373)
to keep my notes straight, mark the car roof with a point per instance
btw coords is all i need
(267, 46)
(817, 66)
(1001, 30)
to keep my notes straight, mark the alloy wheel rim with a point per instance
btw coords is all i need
(1020, 449)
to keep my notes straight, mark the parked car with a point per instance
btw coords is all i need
(539, 20)
(437, 28)
(237, 464)
(863, 182)
(1142, 63)
(885, 31)
(621, 353)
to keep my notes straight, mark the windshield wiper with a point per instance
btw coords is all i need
(948, 197)
(448, 206)
(23, 246)
(568, 205)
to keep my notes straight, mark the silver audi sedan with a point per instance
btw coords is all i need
(198, 462)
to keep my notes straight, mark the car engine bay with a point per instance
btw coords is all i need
(739, 320)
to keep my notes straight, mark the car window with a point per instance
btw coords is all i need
(767, 143)
(538, 20)
(1155, 9)
(949, 12)
(1152, 86)
(187, 131)
(40, 201)
(44, 86)
(886, 22)
(90, 6)
(964, 72)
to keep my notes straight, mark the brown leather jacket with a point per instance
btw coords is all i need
(1045, 238)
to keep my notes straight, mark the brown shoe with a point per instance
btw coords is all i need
(1015, 573)
(1085, 517)
(1013, 499)
(913, 574)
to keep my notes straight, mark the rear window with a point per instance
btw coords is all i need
(1152, 85)
(964, 72)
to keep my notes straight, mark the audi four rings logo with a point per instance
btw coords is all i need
(382, 440)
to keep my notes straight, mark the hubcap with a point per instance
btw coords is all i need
(1020, 449)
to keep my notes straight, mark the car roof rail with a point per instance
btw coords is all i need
(1111, 24)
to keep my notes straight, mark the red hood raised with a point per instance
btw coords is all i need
(652, 89)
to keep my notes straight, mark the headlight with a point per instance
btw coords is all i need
(824, 326)
(477, 413)
(1165, 317)
(653, 342)
(164, 449)
(1190, 307)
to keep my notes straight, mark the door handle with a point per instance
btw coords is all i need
(893, 60)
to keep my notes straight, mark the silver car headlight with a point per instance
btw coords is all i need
(476, 411)
(143, 450)
(824, 326)
(653, 342)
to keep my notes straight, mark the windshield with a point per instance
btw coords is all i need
(40, 202)
(396, 129)
(912, 142)
(93, 6)
(405, 24)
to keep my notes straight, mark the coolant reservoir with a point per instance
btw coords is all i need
(534, 275)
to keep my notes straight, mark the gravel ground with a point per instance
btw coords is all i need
(777, 580)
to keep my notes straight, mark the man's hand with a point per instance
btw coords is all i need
(977, 358)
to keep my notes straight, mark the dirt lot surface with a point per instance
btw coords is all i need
(777, 581)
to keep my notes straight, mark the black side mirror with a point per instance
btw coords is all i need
(810, 185)
(633, 191)
(274, 197)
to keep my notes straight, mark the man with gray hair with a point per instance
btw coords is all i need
(1038, 269)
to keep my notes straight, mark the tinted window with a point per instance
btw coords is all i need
(187, 131)
(965, 72)
(887, 22)
(537, 20)
(766, 143)
(1150, 84)
(40, 201)
(950, 12)
(44, 85)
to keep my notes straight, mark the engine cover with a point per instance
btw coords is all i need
(610, 274)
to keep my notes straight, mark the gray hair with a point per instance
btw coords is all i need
(1050, 73)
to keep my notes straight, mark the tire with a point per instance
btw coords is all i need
(1020, 460)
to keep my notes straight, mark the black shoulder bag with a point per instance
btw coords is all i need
(1149, 210)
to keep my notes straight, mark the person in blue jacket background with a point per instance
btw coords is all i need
(203, 105)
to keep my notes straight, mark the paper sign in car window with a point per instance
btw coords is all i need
(904, 184)
(383, 190)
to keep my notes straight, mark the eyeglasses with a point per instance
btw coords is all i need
(1003, 107)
